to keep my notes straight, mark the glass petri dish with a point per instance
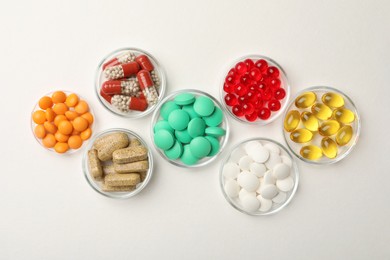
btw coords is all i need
(222, 141)
(33, 124)
(97, 186)
(286, 157)
(344, 150)
(283, 84)
(157, 73)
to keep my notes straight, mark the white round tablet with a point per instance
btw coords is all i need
(230, 170)
(286, 160)
(286, 184)
(268, 191)
(259, 154)
(273, 148)
(245, 162)
(257, 169)
(251, 146)
(244, 193)
(281, 171)
(236, 155)
(250, 204)
(248, 181)
(273, 159)
(265, 205)
(280, 198)
(269, 178)
(232, 188)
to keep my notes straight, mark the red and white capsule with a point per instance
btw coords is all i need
(144, 62)
(147, 86)
(122, 70)
(126, 57)
(125, 103)
(129, 87)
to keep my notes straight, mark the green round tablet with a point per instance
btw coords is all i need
(215, 131)
(187, 157)
(178, 119)
(190, 110)
(200, 147)
(183, 136)
(167, 108)
(214, 145)
(175, 152)
(163, 124)
(196, 127)
(163, 139)
(215, 118)
(184, 99)
(204, 106)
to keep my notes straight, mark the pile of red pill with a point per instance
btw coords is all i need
(253, 89)
(131, 82)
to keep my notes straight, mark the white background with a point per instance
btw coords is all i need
(48, 211)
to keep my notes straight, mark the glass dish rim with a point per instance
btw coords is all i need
(286, 87)
(92, 183)
(155, 118)
(33, 124)
(358, 125)
(259, 213)
(137, 114)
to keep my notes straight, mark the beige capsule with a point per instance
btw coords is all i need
(134, 142)
(321, 111)
(108, 188)
(305, 100)
(134, 167)
(332, 99)
(130, 154)
(310, 121)
(344, 135)
(107, 144)
(329, 127)
(94, 165)
(301, 135)
(343, 115)
(329, 147)
(291, 121)
(119, 179)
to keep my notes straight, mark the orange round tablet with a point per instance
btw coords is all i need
(49, 141)
(89, 117)
(80, 124)
(65, 127)
(50, 127)
(39, 117)
(86, 134)
(75, 142)
(61, 137)
(50, 115)
(71, 115)
(60, 108)
(82, 107)
(40, 131)
(58, 97)
(58, 119)
(45, 102)
(61, 147)
(72, 100)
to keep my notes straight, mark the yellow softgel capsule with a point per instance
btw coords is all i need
(329, 147)
(329, 127)
(321, 111)
(301, 135)
(344, 135)
(333, 100)
(291, 121)
(305, 100)
(310, 121)
(311, 152)
(344, 115)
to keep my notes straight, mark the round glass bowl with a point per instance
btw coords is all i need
(40, 131)
(257, 96)
(214, 128)
(98, 185)
(326, 139)
(275, 177)
(129, 86)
